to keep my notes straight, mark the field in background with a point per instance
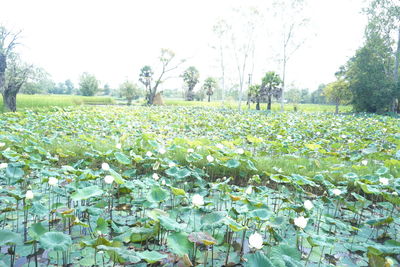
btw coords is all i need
(43, 101)
(275, 106)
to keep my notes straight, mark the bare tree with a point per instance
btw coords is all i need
(8, 41)
(220, 29)
(244, 46)
(292, 20)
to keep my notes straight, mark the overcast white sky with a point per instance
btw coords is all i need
(114, 39)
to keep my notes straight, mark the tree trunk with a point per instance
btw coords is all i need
(10, 100)
(337, 108)
(3, 66)
(396, 73)
(209, 98)
(269, 102)
(150, 100)
(129, 101)
(258, 105)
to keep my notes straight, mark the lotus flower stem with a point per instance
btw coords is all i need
(205, 257)
(229, 238)
(308, 257)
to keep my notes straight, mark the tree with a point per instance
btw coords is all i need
(106, 89)
(244, 45)
(384, 21)
(191, 78)
(210, 84)
(130, 91)
(338, 92)
(38, 82)
(17, 73)
(69, 87)
(8, 42)
(146, 74)
(318, 97)
(293, 95)
(292, 21)
(146, 77)
(254, 95)
(220, 29)
(88, 84)
(369, 76)
(271, 86)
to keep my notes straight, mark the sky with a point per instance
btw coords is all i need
(114, 39)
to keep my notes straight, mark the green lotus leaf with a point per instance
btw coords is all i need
(56, 241)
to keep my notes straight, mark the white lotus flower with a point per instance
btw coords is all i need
(210, 158)
(301, 222)
(190, 150)
(395, 193)
(2, 144)
(240, 151)
(162, 151)
(336, 192)
(118, 146)
(53, 181)
(171, 164)
(3, 165)
(163, 182)
(308, 205)
(199, 147)
(155, 176)
(249, 190)
(105, 166)
(29, 194)
(279, 136)
(109, 179)
(256, 241)
(364, 162)
(197, 200)
(384, 181)
(219, 146)
(149, 154)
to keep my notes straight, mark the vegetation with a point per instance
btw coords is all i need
(130, 91)
(338, 92)
(209, 86)
(88, 84)
(190, 77)
(192, 183)
(291, 189)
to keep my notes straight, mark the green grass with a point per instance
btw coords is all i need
(275, 106)
(45, 101)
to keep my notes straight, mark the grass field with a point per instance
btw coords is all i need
(275, 106)
(44, 101)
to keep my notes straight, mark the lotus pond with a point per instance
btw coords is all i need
(180, 186)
